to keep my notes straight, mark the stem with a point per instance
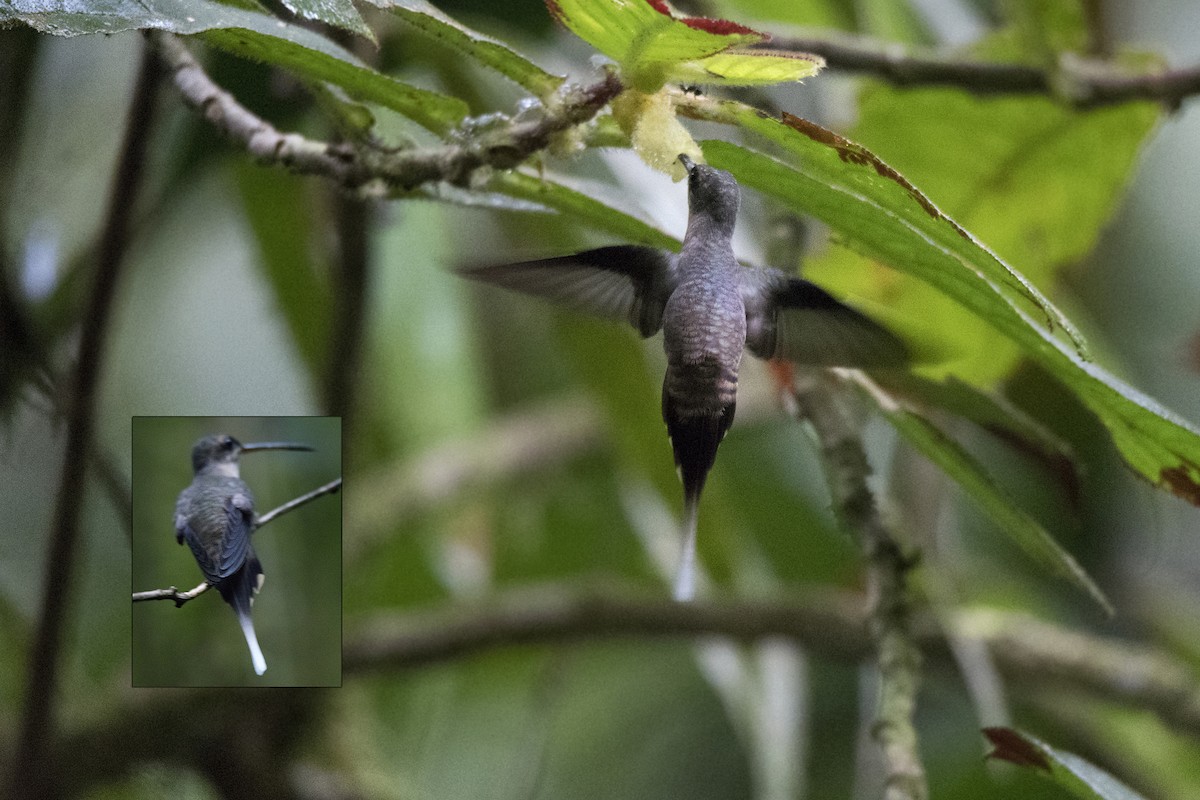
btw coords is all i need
(30, 778)
(825, 405)
(350, 307)
(292, 505)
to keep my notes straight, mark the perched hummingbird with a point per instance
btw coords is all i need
(215, 515)
(709, 308)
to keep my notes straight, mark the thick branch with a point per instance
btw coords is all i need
(551, 614)
(29, 774)
(1030, 653)
(1085, 84)
(355, 165)
(825, 405)
(1035, 656)
(173, 593)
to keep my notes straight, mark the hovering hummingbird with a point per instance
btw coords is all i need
(710, 309)
(215, 515)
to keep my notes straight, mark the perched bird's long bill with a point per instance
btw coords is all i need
(249, 448)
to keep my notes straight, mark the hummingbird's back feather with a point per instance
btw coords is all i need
(215, 515)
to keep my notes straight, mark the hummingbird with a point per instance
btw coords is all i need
(710, 309)
(215, 516)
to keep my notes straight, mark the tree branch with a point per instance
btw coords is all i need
(29, 776)
(551, 614)
(354, 165)
(292, 505)
(353, 223)
(173, 593)
(826, 406)
(1030, 653)
(1080, 82)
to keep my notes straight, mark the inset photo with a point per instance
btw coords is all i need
(237, 551)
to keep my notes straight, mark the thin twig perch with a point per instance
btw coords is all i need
(174, 594)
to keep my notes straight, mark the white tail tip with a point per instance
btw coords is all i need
(685, 582)
(685, 579)
(260, 663)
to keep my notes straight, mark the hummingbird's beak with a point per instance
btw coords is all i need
(248, 448)
(687, 162)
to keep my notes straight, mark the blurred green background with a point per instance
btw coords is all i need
(229, 294)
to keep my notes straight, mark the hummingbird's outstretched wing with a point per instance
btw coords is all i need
(790, 318)
(625, 282)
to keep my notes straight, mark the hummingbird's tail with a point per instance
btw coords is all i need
(696, 429)
(260, 663)
(239, 590)
(685, 578)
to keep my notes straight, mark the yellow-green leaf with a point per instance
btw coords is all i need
(645, 39)
(748, 68)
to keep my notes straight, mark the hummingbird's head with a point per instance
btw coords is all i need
(711, 192)
(212, 450)
(220, 453)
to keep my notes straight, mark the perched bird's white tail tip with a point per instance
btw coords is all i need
(260, 663)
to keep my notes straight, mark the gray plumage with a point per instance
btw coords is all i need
(709, 309)
(215, 516)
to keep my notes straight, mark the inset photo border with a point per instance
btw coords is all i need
(200, 483)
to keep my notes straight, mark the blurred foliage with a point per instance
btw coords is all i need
(230, 301)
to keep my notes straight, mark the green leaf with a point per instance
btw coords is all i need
(1045, 30)
(747, 68)
(858, 195)
(338, 13)
(990, 411)
(1082, 778)
(1035, 180)
(584, 202)
(354, 121)
(956, 462)
(249, 34)
(487, 51)
(653, 47)
(633, 32)
(314, 57)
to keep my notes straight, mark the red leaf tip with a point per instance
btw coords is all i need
(720, 27)
(1008, 745)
